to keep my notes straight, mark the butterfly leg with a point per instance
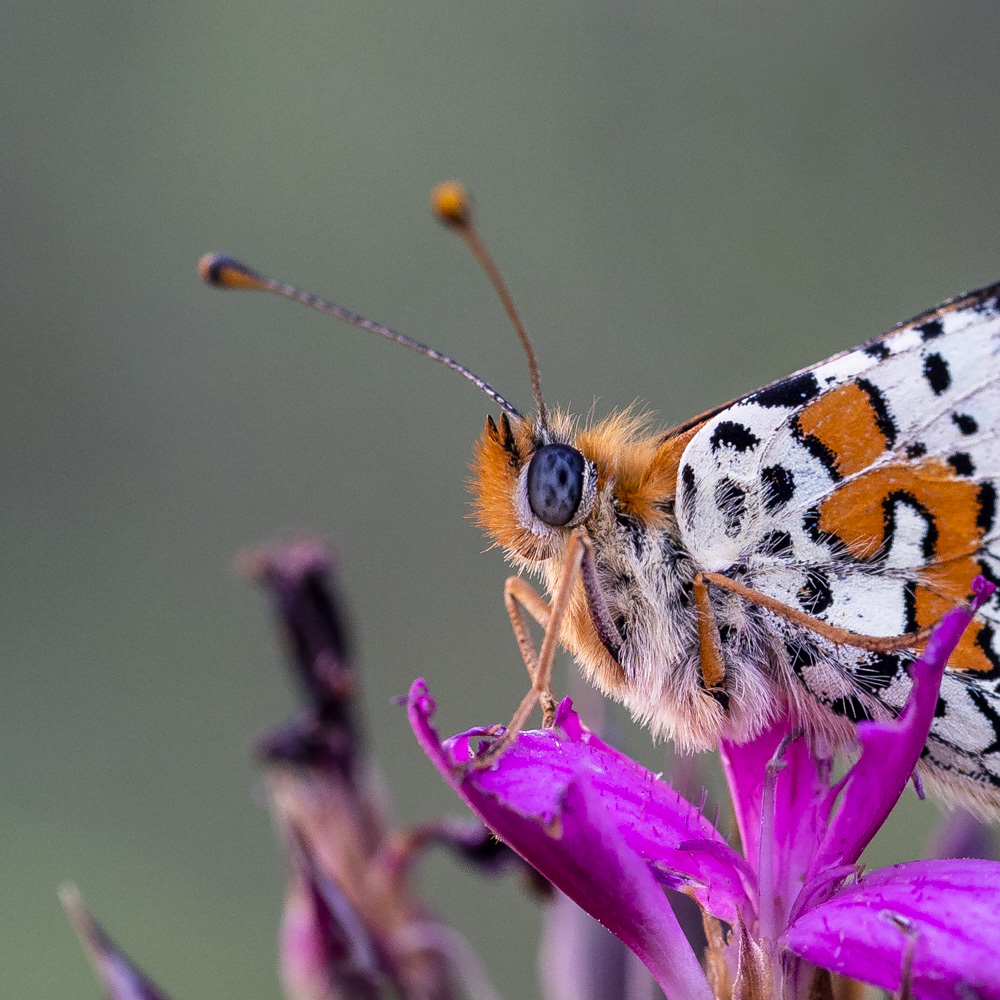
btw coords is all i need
(713, 667)
(519, 597)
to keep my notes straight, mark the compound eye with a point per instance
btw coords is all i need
(555, 483)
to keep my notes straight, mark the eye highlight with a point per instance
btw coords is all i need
(555, 483)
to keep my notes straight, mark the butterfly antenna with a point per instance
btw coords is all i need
(452, 207)
(227, 272)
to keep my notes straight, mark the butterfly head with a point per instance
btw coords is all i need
(532, 489)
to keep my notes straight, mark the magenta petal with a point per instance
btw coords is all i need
(655, 821)
(946, 910)
(795, 830)
(890, 750)
(744, 765)
(548, 798)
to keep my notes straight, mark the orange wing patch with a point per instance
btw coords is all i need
(957, 512)
(848, 425)
(974, 652)
(859, 511)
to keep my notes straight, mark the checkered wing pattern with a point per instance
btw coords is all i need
(863, 492)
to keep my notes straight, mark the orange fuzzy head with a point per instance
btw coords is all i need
(626, 468)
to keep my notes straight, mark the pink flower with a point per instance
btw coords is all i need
(611, 835)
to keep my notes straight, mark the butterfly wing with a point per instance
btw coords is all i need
(863, 492)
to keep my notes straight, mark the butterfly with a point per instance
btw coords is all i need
(787, 551)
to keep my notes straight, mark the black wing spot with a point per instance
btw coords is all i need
(779, 486)
(916, 450)
(931, 329)
(988, 712)
(851, 707)
(802, 654)
(791, 392)
(775, 543)
(984, 640)
(690, 493)
(878, 671)
(810, 522)
(910, 606)
(961, 462)
(815, 596)
(820, 451)
(966, 424)
(937, 374)
(930, 539)
(883, 421)
(730, 434)
(987, 499)
(731, 499)
(878, 350)
(986, 570)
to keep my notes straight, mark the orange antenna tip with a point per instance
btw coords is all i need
(451, 204)
(226, 272)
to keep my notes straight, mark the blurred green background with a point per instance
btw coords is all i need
(689, 200)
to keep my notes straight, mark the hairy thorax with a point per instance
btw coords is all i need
(644, 573)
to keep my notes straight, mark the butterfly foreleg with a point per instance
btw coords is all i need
(521, 597)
